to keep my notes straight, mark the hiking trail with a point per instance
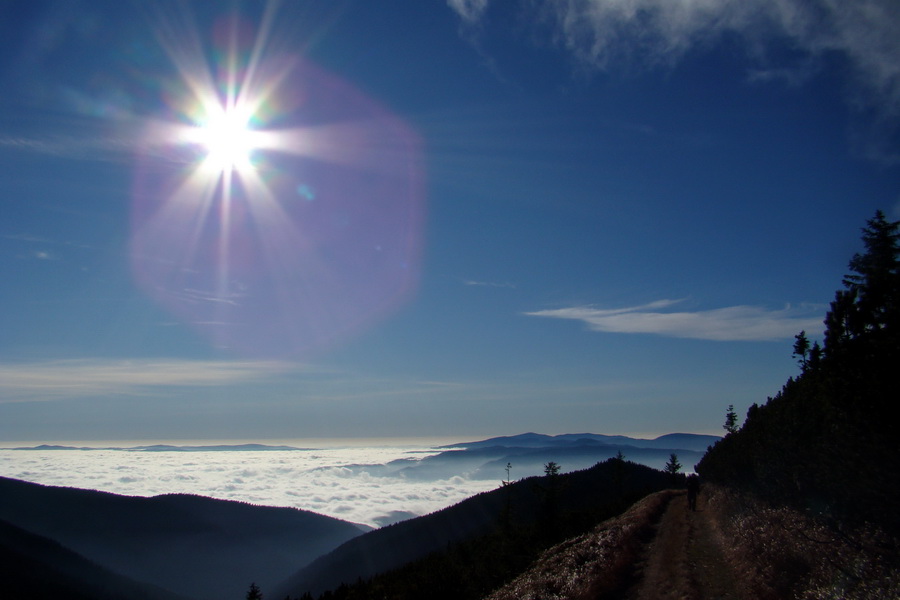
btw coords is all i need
(685, 559)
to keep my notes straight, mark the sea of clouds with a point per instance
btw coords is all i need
(357, 483)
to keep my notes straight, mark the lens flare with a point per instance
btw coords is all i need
(280, 210)
(227, 137)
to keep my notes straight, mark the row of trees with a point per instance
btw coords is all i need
(827, 440)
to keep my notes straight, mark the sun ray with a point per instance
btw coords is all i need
(273, 239)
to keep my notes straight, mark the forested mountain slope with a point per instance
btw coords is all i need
(192, 545)
(530, 511)
(34, 567)
(827, 442)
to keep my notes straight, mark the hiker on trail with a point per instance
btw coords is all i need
(693, 488)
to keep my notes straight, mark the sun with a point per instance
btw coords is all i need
(226, 136)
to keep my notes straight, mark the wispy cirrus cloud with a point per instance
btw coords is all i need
(732, 323)
(494, 284)
(95, 139)
(43, 241)
(469, 10)
(605, 34)
(600, 32)
(72, 378)
(113, 149)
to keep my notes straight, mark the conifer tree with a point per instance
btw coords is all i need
(730, 420)
(254, 592)
(673, 466)
(801, 349)
(876, 276)
(870, 303)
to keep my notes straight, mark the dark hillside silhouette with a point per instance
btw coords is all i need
(37, 568)
(471, 533)
(191, 545)
(827, 442)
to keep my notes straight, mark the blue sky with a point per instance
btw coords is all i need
(462, 218)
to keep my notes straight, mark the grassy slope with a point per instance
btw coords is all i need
(762, 553)
(597, 563)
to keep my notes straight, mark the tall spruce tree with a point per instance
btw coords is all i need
(731, 420)
(876, 273)
(869, 306)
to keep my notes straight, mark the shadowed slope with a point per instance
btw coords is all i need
(32, 566)
(192, 545)
(522, 504)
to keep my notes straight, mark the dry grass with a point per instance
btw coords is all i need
(592, 564)
(782, 553)
(765, 553)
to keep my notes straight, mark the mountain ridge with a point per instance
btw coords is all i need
(525, 501)
(685, 441)
(192, 545)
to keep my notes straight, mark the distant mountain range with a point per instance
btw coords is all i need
(529, 452)
(683, 441)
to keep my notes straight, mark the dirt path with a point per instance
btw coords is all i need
(684, 560)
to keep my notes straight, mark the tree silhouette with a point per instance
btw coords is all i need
(801, 349)
(731, 419)
(673, 466)
(870, 303)
(506, 515)
(254, 593)
(876, 278)
(549, 492)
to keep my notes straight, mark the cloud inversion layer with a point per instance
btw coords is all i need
(351, 483)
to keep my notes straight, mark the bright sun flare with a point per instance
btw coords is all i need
(227, 138)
